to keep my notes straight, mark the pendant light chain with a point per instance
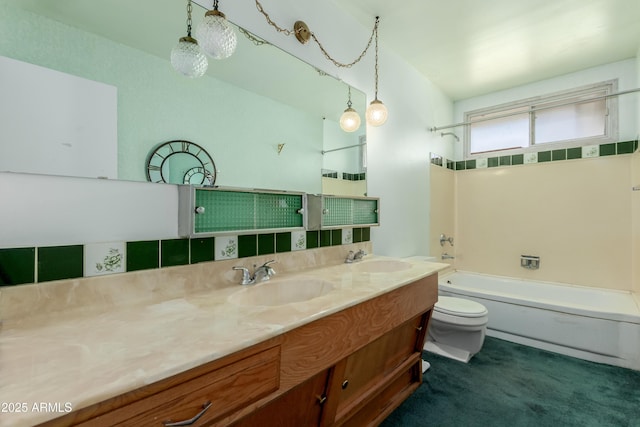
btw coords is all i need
(189, 10)
(288, 32)
(375, 30)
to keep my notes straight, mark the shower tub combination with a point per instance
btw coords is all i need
(594, 324)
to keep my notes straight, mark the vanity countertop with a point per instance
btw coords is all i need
(72, 359)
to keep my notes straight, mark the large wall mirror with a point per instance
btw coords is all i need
(267, 119)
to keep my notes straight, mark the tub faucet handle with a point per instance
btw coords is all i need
(444, 239)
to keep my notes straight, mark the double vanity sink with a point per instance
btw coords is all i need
(97, 361)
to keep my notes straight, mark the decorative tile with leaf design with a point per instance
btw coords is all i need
(226, 247)
(298, 240)
(104, 258)
(347, 236)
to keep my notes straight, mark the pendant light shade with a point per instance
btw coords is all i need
(216, 35)
(376, 113)
(188, 59)
(350, 119)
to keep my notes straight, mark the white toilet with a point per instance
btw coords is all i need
(457, 328)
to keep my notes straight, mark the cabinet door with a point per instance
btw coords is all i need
(369, 369)
(299, 407)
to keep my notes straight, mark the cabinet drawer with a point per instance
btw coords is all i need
(227, 389)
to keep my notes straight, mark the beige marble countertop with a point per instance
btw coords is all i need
(71, 359)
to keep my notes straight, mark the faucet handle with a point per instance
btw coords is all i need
(246, 276)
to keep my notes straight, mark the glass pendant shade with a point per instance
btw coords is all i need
(188, 59)
(350, 120)
(376, 113)
(217, 37)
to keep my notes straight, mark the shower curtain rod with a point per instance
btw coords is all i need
(533, 110)
(343, 148)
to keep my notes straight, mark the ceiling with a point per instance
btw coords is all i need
(473, 47)
(465, 47)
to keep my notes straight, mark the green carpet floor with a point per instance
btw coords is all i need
(508, 384)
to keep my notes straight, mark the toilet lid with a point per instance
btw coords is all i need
(460, 307)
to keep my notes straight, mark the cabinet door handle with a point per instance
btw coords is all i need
(205, 407)
(345, 384)
(419, 328)
(322, 399)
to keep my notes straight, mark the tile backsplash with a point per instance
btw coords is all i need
(612, 149)
(42, 264)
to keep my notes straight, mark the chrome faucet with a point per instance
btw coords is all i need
(262, 273)
(354, 257)
(447, 256)
(444, 239)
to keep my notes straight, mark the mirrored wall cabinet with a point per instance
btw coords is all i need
(210, 211)
(327, 212)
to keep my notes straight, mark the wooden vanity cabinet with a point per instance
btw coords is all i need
(350, 368)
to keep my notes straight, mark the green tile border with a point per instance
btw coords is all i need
(174, 252)
(17, 266)
(60, 262)
(595, 150)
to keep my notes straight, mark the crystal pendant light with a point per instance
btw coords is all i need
(350, 119)
(186, 57)
(216, 35)
(376, 111)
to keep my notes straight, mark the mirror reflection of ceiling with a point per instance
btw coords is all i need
(154, 26)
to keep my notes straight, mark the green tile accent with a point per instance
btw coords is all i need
(635, 145)
(544, 156)
(247, 245)
(625, 147)
(278, 210)
(325, 238)
(559, 155)
(283, 242)
(607, 149)
(460, 166)
(202, 249)
(266, 244)
(470, 164)
(174, 252)
(365, 212)
(574, 153)
(339, 211)
(143, 255)
(336, 237)
(17, 266)
(313, 239)
(492, 162)
(60, 262)
(224, 211)
(505, 160)
(357, 235)
(366, 234)
(517, 159)
(450, 165)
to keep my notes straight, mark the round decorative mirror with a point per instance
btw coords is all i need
(181, 162)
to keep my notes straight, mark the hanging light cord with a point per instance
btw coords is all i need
(288, 32)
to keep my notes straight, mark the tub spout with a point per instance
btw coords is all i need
(447, 256)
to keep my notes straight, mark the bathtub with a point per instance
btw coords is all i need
(594, 324)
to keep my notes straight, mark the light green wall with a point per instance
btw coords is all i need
(240, 130)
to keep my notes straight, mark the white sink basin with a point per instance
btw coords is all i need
(281, 292)
(382, 266)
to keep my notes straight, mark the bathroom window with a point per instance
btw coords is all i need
(581, 116)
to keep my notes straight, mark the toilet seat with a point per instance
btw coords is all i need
(460, 307)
